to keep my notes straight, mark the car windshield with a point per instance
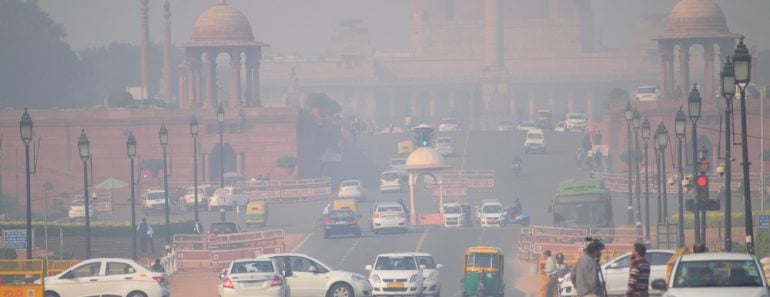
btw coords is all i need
(78, 203)
(399, 161)
(717, 273)
(389, 176)
(492, 208)
(647, 90)
(453, 209)
(341, 214)
(223, 228)
(534, 136)
(575, 116)
(395, 263)
(427, 261)
(251, 267)
(155, 195)
(443, 140)
(389, 208)
(346, 184)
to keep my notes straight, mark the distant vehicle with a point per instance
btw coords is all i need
(560, 127)
(506, 126)
(397, 163)
(431, 275)
(405, 147)
(535, 141)
(154, 201)
(615, 272)
(544, 119)
(448, 125)
(489, 212)
(257, 213)
(526, 126)
(352, 189)
(204, 192)
(576, 121)
(454, 216)
(308, 277)
(228, 197)
(218, 228)
(391, 181)
(396, 274)
(445, 145)
(77, 210)
(341, 222)
(108, 277)
(714, 274)
(582, 204)
(752, 92)
(252, 277)
(389, 215)
(647, 93)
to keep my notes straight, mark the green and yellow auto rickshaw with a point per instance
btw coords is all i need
(483, 272)
(256, 213)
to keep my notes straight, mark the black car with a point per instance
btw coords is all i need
(224, 228)
(341, 222)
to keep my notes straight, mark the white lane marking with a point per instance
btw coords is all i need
(299, 245)
(348, 252)
(465, 149)
(422, 239)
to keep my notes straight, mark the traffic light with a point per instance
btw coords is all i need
(703, 181)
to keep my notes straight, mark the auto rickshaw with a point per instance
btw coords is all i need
(350, 203)
(483, 272)
(405, 147)
(256, 213)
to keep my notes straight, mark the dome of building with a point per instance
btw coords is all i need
(222, 24)
(696, 18)
(425, 158)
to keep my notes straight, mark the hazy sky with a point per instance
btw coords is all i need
(304, 26)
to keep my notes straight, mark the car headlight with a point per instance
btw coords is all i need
(413, 279)
(375, 278)
(433, 276)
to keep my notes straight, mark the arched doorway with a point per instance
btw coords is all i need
(215, 164)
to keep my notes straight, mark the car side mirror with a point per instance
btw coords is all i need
(659, 284)
(439, 266)
(312, 269)
(368, 267)
(422, 267)
(287, 273)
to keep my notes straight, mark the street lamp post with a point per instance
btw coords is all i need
(628, 112)
(194, 133)
(645, 137)
(693, 108)
(163, 133)
(679, 126)
(636, 124)
(85, 154)
(131, 150)
(221, 121)
(742, 66)
(727, 78)
(661, 139)
(25, 128)
(702, 158)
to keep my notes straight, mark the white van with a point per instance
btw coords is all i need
(647, 93)
(227, 197)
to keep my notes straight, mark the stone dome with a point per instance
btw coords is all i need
(222, 24)
(696, 18)
(425, 158)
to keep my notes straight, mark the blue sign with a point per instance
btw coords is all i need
(764, 221)
(15, 239)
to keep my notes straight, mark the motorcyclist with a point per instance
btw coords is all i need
(516, 164)
(561, 268)
(517, 208)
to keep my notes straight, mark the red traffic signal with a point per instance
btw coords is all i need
(702, 181)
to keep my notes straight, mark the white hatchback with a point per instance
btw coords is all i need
(431, 284)
(489, 213)
(396, 274)
(108, 277)
(453, 215)
(391, 181)
(352, 189)
(252, 277)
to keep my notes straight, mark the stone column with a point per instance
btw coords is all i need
(551, 100)
(708, 65)
(670, 70)
(684, 68)
(249, 97)
(493, 34)
(512, 103)
(185, 101)
(145, 49)
(167, 54)
(193, 63)
(211, 78)
(235, 79)
(432, 105)
(666, 55)
(253, 59)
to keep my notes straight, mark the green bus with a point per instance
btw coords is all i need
(582, 204)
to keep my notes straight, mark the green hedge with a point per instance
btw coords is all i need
(114, 229)
(715, 218)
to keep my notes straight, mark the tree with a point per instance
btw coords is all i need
(615, 95)
(322, 106)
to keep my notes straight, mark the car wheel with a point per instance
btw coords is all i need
(326, 235)
(50, 294)
(340, 290)
(136, 294)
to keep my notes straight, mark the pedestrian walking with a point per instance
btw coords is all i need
(638, 273)
(589, 280)
(550, 271)
(151, 238)
(198, 228)
(579, 157)
(141, 231)
(699, 247)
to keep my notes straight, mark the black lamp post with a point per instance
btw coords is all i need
(25, 127)
(221, 121)
(645, 137)
(693, 108)
(163, 133)
(131, 150)
(628, 112)
(661, 140)
(679, 126)
(636, 124)
(727, 79)
(85, 154)
(194, 133)
(742, 66)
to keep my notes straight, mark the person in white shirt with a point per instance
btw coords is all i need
(550, 271)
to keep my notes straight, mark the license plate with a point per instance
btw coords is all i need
(251, 284)
(341, 223)
(395, 285)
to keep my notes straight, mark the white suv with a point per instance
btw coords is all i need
(308, 277)
(389, 215)
(396, 274)
(535, 141)
(576, 121)
(154, 201)
(453, 215)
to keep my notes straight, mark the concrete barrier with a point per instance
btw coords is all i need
(431, 219)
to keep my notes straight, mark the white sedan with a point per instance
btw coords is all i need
(252, 277)
(308, 277)
(352, 189)
(396, 274)
(108, 277)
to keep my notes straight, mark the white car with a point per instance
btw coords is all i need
(252, 277)
(431, 284)
(526, 126)
(647, 93)
(616, 273)
(77, 210)
(227, 197)
(391, 181)
(352, 189)
(204, 192)
(453, 215)
(445, 145)
(108, 277)
(396, 274)
(397, 163)
(154, 201)
(389, 215)
(308, 277)
(506, 126)
(489, 213)
(535, 141)
(715, 274)
(448, 125)
(560, 127)
(576, 121)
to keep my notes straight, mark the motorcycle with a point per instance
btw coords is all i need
(521, 218)
(516, 168)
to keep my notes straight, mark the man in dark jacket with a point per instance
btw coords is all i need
(638, 273)
(588, 277)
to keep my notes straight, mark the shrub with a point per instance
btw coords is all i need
(106, 229)
(715, 219)
(286, 162)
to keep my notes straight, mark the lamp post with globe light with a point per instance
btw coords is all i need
(628, 112)
(25, 128)
(680, 121)
(194, 133)
(661, 141)
(742, 66)
(85, 153)
(646, 137)
(727, 80)
(131, 151)
(163, 134)
(636, 124)
(693, 108)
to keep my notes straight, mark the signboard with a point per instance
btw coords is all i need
(15, 239)
(764, 221)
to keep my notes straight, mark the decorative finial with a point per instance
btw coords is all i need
(222, 2)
